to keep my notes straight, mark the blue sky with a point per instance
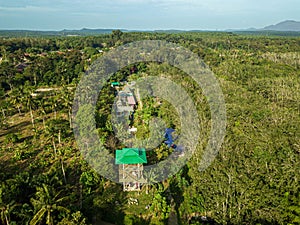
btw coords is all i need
(145, 14)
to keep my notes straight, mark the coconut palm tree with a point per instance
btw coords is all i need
(151, 179)
(67, 97)
(29, 101)
(16, 98)
(5, 208)
(46, 203)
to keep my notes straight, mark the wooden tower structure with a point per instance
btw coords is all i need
(130, 161)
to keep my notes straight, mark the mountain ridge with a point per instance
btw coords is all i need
(287, 25)
(284, 26)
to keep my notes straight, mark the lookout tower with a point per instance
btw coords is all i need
(130, 161)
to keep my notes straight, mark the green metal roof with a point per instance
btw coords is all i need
(115, 83)
(131, 156)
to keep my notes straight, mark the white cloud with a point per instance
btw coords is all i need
(144, 14)
(27, 9)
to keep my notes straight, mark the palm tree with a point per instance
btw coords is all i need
(4, 105)
(54, 101)
(56, 128)
(29, 101)
(42, 110)
(47, 202)
(16, 98)
(5, 209)
(67, 96)
(151, 179)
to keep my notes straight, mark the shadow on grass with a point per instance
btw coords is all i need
(17, 160)
(14, 128)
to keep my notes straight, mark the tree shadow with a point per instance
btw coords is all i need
(14, 128)
(19, 160)
(261, 221)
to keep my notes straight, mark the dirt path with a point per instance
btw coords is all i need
(103, 223)
(173, 218)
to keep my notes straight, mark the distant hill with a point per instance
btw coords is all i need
(288, 25)
(65, 32)
(285, 28)
(87, 31)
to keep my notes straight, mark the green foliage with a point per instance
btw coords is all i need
(75, 219)
(160, 208)
(89, 180)
(253, 180)
(12, 138)
(49, 204)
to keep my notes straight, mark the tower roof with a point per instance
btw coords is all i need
(131, 156)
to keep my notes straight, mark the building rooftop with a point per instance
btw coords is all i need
(131, 156)
(131, 100)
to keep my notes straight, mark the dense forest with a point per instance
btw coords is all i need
(254, 179)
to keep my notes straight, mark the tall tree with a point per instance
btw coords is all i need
(47, 204)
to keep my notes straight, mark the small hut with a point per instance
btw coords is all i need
(130, 161)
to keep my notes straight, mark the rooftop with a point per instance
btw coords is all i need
(131, 156)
